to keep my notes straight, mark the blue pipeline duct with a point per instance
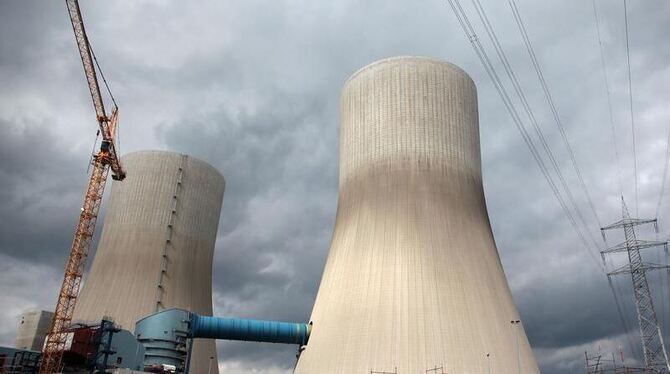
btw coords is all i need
(165, 334)
(249, 330)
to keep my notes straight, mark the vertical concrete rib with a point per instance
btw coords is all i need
(413, 280)
(157, 244)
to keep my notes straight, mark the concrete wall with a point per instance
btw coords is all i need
(33, 329)
(413, 280)
(157, 244)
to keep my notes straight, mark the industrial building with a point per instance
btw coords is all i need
(413, 281)
(33, 328)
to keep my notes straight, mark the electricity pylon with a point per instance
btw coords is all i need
(655, 356)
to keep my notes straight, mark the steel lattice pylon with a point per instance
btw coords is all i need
(655, 356)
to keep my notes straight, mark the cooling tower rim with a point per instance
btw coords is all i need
(410, 58)
(159, 151)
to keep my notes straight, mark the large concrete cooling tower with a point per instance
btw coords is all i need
(413, 281)
(157, 245)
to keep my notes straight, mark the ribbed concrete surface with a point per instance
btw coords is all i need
(413, 280)
(168, 205)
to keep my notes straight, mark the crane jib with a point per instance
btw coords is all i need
(86, 59)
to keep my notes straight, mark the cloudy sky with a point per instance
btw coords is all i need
(253, 87)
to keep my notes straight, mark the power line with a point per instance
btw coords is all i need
(609, 98)
(665, 174)
(481, 53)
(493, 75)
(531, 116)
(622, 316)
(550, 101)
(630, 96)
(111, 96)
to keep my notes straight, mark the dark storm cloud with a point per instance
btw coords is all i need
(40, 186)
(253, 88)
(281, 193)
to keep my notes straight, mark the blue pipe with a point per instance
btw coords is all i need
(165, 334)
(249, 330)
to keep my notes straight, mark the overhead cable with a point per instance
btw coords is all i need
(609, 98)
(665, 175)
(630, 97)
(531, 116)
(467, 27)
(109, 91)
(481, 53)
(552, 105)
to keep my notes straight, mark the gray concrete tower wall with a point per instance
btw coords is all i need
(157, 244)
(413, 280)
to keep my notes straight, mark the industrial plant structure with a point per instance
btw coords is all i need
(157, 245)
(33, 328)
(413, 282)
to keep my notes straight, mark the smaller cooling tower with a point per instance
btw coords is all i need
(157, 245)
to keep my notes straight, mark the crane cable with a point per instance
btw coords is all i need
(552, 105)
(102, 75)
(490, 70)
(117, 137)
(603, 63)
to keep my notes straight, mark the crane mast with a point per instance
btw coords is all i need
(103, 161)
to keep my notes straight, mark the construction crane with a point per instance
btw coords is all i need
(104, 160)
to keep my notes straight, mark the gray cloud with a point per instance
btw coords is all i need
(253, 88)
